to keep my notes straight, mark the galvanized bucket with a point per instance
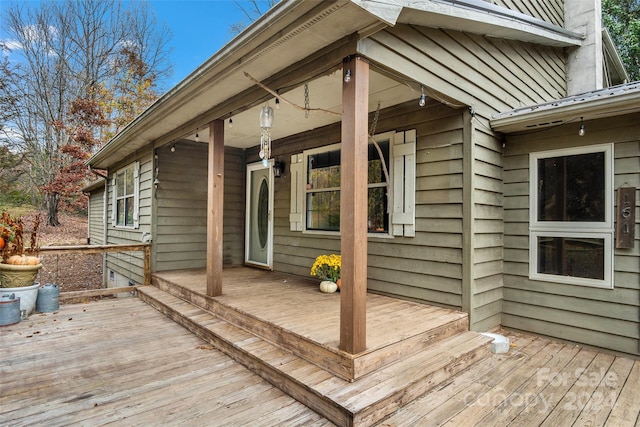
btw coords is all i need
(9, 309)
(48, 298)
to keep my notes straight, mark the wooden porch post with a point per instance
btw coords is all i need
(215, 203)
(353, 206)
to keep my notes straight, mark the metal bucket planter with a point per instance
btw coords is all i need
(9, 309)
(28, 296)
(16, 276)
(48, 298)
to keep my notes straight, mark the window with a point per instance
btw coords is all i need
(571, 216)
(315, 187)
(125, 196)
(322, 200)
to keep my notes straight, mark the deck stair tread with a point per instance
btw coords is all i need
(364, 401)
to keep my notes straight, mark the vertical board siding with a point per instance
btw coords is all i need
(457, 64)
(608, 318)
(551, 11)
(96, 216)
(181, 223)
(427, 267)
(130, 264)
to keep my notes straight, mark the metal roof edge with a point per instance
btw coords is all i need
(608, 102)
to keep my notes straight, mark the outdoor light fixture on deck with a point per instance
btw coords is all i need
(266, 122)
(581, 131)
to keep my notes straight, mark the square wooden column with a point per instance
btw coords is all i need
(215, 207)
(353, 206)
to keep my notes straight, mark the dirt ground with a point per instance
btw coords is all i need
(72, 272)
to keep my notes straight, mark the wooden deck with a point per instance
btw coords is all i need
(121, 362)
(284, 309)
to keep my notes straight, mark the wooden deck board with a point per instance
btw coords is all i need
(249, 290)
(121, 362)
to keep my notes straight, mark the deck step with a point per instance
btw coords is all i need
(363, 402)
(346, 366)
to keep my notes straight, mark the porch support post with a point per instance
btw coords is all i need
(215, 203)
(353, 206)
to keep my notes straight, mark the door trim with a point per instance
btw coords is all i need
(252, 168)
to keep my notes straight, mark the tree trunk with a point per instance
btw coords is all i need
(52, 200)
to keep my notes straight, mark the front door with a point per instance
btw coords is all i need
(259, 225)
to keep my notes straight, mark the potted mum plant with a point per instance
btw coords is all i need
(19, 264)
(327, 269)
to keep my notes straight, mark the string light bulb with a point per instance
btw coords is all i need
(230, 123)
(347, 75)
(197, 136)
(423, 98)
(277, 103)
(173, 148)
(581, 131)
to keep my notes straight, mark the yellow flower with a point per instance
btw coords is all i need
(327, 267)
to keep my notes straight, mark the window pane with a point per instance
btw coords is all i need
(324, 170)
(120, 184)
(571, 188)
(129, 207)
(129, 181)
(323, 211)
(378, 220)
(120, 212)
(376, 173)
(571, 256)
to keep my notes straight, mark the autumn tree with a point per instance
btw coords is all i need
(76, 60)
(252, 10)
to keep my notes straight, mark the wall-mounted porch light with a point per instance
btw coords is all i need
(278, 168)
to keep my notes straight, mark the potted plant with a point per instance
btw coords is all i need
(19, 264)
(327, 269)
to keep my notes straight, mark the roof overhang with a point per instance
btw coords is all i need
(609, 102)
(472, 16)
(295, 32)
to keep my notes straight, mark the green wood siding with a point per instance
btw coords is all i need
(130, 264)
(608, 318)
(97, 217)
(548, 10)
(456, 67)
(181, 221)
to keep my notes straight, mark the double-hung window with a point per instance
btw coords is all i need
(125, 196)
(571, 210)
(391, 175)
(322, 194)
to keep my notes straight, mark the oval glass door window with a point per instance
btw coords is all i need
(263, 213)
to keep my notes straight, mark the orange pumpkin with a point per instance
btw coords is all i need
(1, 243)
(15, 260)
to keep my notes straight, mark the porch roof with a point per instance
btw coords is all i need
(299, 42)
(608, 102)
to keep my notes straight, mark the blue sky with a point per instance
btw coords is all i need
(200, 28)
